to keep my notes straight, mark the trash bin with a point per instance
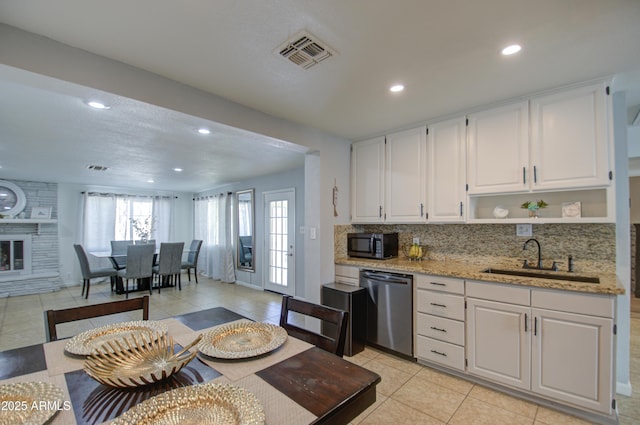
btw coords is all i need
(353, 300)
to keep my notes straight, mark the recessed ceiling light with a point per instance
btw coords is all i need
(98, 105)
(150, 181)
(177, 170)
(510, 50)
(396, 88)
(204, 131)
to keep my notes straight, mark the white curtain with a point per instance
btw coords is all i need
(163, 208)
(106, 217)
(212, 216)
(97, 213)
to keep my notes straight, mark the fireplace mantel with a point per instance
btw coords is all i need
(36, 221)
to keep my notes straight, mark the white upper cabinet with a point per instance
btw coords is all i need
(367, 181)
(568, 146)
(446, 152)
(569, 139)
(405, 194)
(498, 150)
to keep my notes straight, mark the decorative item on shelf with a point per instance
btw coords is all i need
(500, 212)
(41, 212)
(414, 252)
(571, 209)
(533, 207)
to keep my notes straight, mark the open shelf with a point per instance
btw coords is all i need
(595, 207)
(36, 221)
(28, 220)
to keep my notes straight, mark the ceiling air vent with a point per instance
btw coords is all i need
(305, 50)
(97, 167)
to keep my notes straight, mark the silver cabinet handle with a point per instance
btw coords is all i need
(438, 305)
(438, 329)
(439, 353)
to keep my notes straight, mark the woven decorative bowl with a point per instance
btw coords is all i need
(138, 360)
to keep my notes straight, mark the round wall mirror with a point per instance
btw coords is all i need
(12, 199)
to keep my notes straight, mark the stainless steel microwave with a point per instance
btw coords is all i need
(372, 245)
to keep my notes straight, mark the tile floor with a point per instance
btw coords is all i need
(408, 394)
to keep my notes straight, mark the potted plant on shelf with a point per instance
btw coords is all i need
(533, 207)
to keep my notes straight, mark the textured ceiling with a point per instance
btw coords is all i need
(445, 52)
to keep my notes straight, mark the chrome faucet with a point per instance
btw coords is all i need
(526, 263)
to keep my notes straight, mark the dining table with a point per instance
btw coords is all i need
(296, 383)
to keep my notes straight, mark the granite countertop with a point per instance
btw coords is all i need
(609, 283)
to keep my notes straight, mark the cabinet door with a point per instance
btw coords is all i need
(499, 342)
(498, 153)
(573, 359)
(405, 176)
(569, 139)
(367, 181)
(446, 151)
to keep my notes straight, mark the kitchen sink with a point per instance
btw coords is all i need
(543, 275)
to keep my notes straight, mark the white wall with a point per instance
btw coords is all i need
(44, 56)
(623, 241)
(285, 180)
(70, 206)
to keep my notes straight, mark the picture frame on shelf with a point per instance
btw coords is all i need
(571, 209)
(41, 213)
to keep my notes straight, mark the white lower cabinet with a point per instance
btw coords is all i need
(572, 357)
(499, 342)
(556, 344)
(440, 320)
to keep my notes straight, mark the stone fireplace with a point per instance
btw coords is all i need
(29, 259)
(15, 255)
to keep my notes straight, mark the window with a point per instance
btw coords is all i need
(108, 217)
(134, 218)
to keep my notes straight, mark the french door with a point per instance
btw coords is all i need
(280, 213)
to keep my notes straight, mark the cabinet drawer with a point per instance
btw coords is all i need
(506, 293)
(347, 271)
(440, 352)
(440, 328)
(571, 302)
(439, 283)
(441, 304)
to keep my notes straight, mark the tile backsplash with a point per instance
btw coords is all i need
(593, 246)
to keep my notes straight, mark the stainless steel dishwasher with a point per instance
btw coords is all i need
(389, 310)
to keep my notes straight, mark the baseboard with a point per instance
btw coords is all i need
(624, 388)
(248, 285)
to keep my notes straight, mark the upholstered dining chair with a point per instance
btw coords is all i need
(120, 248)
(192, 259)
(88, 273)
(169, 264)
(139, 264)
(334, 343)
(55, 317)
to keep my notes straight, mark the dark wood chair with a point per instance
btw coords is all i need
(55, 317)
(334, 343)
